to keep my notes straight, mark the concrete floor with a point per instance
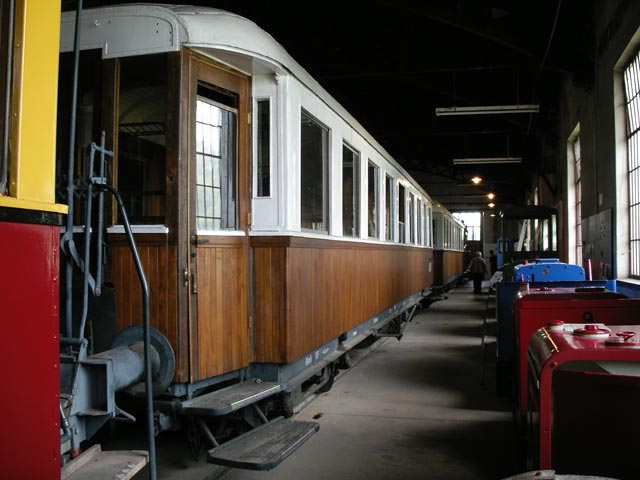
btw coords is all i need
(414, 409)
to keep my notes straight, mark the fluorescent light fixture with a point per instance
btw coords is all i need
(487, 110)
(477, 160)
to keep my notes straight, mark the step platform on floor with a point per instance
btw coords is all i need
(94, 464)
(229, 399)
(265, 447)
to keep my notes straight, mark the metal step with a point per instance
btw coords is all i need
(94, 464)
(230, 399)
(265, 447)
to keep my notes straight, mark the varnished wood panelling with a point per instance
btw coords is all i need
(159, 263)
(449, 265)
(221, 330)
(329, 288)
(270, 300)
(452, 265)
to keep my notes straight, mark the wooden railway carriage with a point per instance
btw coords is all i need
(448, 243)
(274, 230)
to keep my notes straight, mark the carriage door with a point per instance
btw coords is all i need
(218, 214)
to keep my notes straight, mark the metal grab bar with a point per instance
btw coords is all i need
(146, 326)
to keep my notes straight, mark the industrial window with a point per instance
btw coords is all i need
(632, 91)
(142, 114)
(388, 207)
(576, 157)
(216, 159)
(263, 166)
(350, 192)
(402, 207)
(373, 195)
(314, 159)
(473, 222)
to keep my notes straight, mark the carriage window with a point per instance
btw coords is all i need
(141, 137)
(388, 204)
(419, 229)
(314, 158)
(411, 220)
(216, 159)
(401, 213)
(350, 192)
(263, 170)
(428, 223)
(373, 196)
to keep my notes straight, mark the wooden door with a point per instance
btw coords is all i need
(218, 212)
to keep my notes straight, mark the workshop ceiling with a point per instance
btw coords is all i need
(391, 63)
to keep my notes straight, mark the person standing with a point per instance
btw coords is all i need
(478, 268)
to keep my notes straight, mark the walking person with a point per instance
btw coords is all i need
(478, 268)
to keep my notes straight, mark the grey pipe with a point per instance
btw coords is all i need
(7, 96)
(68, 236)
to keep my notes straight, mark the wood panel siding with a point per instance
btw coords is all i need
(160, 265)
(309, 291)
(449, 265)
(221, 330)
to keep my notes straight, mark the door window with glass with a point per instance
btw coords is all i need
(216, 159)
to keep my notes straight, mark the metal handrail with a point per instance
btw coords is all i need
(148, 382)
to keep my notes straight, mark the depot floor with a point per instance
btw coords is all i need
(414, 409)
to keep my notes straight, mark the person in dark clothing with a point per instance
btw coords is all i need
(493, 262)
(478, 268)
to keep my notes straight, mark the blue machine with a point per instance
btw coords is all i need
(548, 270)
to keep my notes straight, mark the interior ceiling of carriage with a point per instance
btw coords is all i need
(391, 63)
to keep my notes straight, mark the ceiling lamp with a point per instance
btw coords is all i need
(475, 161)
(487, 110)
(491, 196)
(476, 180)
(491, 205)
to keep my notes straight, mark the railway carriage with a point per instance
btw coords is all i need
(275, 232)
(448, 242)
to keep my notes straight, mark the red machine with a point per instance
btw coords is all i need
(586, 380)
(536, 308)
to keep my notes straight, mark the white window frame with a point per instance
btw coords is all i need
(574, 196)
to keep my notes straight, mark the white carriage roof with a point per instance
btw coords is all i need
(137, 29)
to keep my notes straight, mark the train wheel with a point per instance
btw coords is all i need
(344, 362)
(329, 373)
(285, 404)
(195, 440)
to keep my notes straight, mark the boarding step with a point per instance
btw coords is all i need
(94, 464)
(265, 447)
(230, 399)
